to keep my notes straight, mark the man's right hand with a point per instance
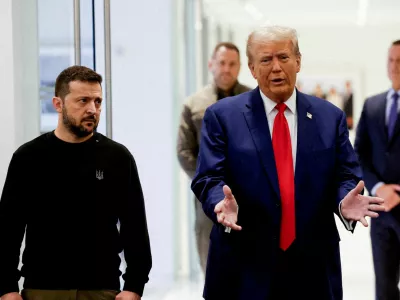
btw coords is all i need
(11, 296)
(388, 192)
(227, 210)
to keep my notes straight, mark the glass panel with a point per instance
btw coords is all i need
(56, 49)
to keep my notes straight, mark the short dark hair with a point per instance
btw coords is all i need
(227, 45)
(396, 43)
(74, 73)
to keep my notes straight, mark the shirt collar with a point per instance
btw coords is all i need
(391, 93)
(270, 105)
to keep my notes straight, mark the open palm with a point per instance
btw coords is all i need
(227, 210)
(356, 207)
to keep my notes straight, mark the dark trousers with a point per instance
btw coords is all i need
(385, 238)
(296, 277)
(33, 294)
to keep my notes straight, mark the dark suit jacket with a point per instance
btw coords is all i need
(236, 149)
(379, 156)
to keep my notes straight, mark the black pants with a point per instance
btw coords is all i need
(32, 294)
(385, 238)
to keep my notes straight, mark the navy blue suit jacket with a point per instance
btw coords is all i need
(379, 156)
(236, 149)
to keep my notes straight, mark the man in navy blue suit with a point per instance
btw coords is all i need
(273, 168)
(378, 147)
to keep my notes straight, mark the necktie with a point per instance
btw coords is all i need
(393, 115)
(284, 164)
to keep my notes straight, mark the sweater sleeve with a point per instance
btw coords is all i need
(12, 226)
(134, 233)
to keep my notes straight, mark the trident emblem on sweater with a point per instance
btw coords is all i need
(99, 175)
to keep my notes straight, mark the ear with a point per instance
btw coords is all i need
(210, 65)
(58, 104)
(252, 69)
(298, 63)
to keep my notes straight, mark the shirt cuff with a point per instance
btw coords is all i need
(376, 187)
(348, 224)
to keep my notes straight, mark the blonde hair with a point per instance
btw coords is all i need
(272, 33)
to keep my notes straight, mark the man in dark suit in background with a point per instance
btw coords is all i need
(378, 147)
(274, 166)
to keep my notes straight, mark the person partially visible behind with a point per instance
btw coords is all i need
(224, 66)
(377, 144)
(91, 183)
(348, 104)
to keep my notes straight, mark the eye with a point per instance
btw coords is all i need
(98, 101)
(83, 100)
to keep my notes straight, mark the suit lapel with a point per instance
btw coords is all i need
(381, 122)
(396, 128)
(257, 122)
(307, 135)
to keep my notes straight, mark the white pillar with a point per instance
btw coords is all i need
(19, 77)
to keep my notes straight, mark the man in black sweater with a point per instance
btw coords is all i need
(72, 242)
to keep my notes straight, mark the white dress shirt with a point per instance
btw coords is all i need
(291, 117)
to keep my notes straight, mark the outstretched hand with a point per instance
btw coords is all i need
(356, 207)
(227, 210)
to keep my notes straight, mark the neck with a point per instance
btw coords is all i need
(65, 135)
(276, 98)
(396, 86)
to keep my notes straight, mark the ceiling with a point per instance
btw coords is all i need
(303, 12)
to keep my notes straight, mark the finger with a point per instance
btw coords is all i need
(232, 225)
(218, 207)
(227, 223)
(396, 187)
(359, 188)
(236, 227)
(376, 207)
(227, 192)
(221, 217)
(364, 221)
(372, 214)
(372, 200)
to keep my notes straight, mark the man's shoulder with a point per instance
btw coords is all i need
(232, 103)
(376, 99)
(321, 105)
(202, 98)
(34, 145)
(111, 146)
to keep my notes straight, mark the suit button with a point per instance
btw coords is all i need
(274, 237)
(277, 204)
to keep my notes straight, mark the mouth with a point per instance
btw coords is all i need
(277, 81)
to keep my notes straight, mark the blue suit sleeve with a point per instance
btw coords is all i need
(363, 146)
(210, 172)
(348, 171)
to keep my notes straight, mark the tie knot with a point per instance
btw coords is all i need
(281, 107)
(395, 97)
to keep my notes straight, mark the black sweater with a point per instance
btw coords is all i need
(70, 198)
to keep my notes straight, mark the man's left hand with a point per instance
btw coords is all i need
(356, 207)
(125, 295)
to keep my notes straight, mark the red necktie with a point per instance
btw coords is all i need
(284, 165)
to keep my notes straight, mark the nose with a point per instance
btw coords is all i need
(226, 68)
(276, 66)
(91, 108)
